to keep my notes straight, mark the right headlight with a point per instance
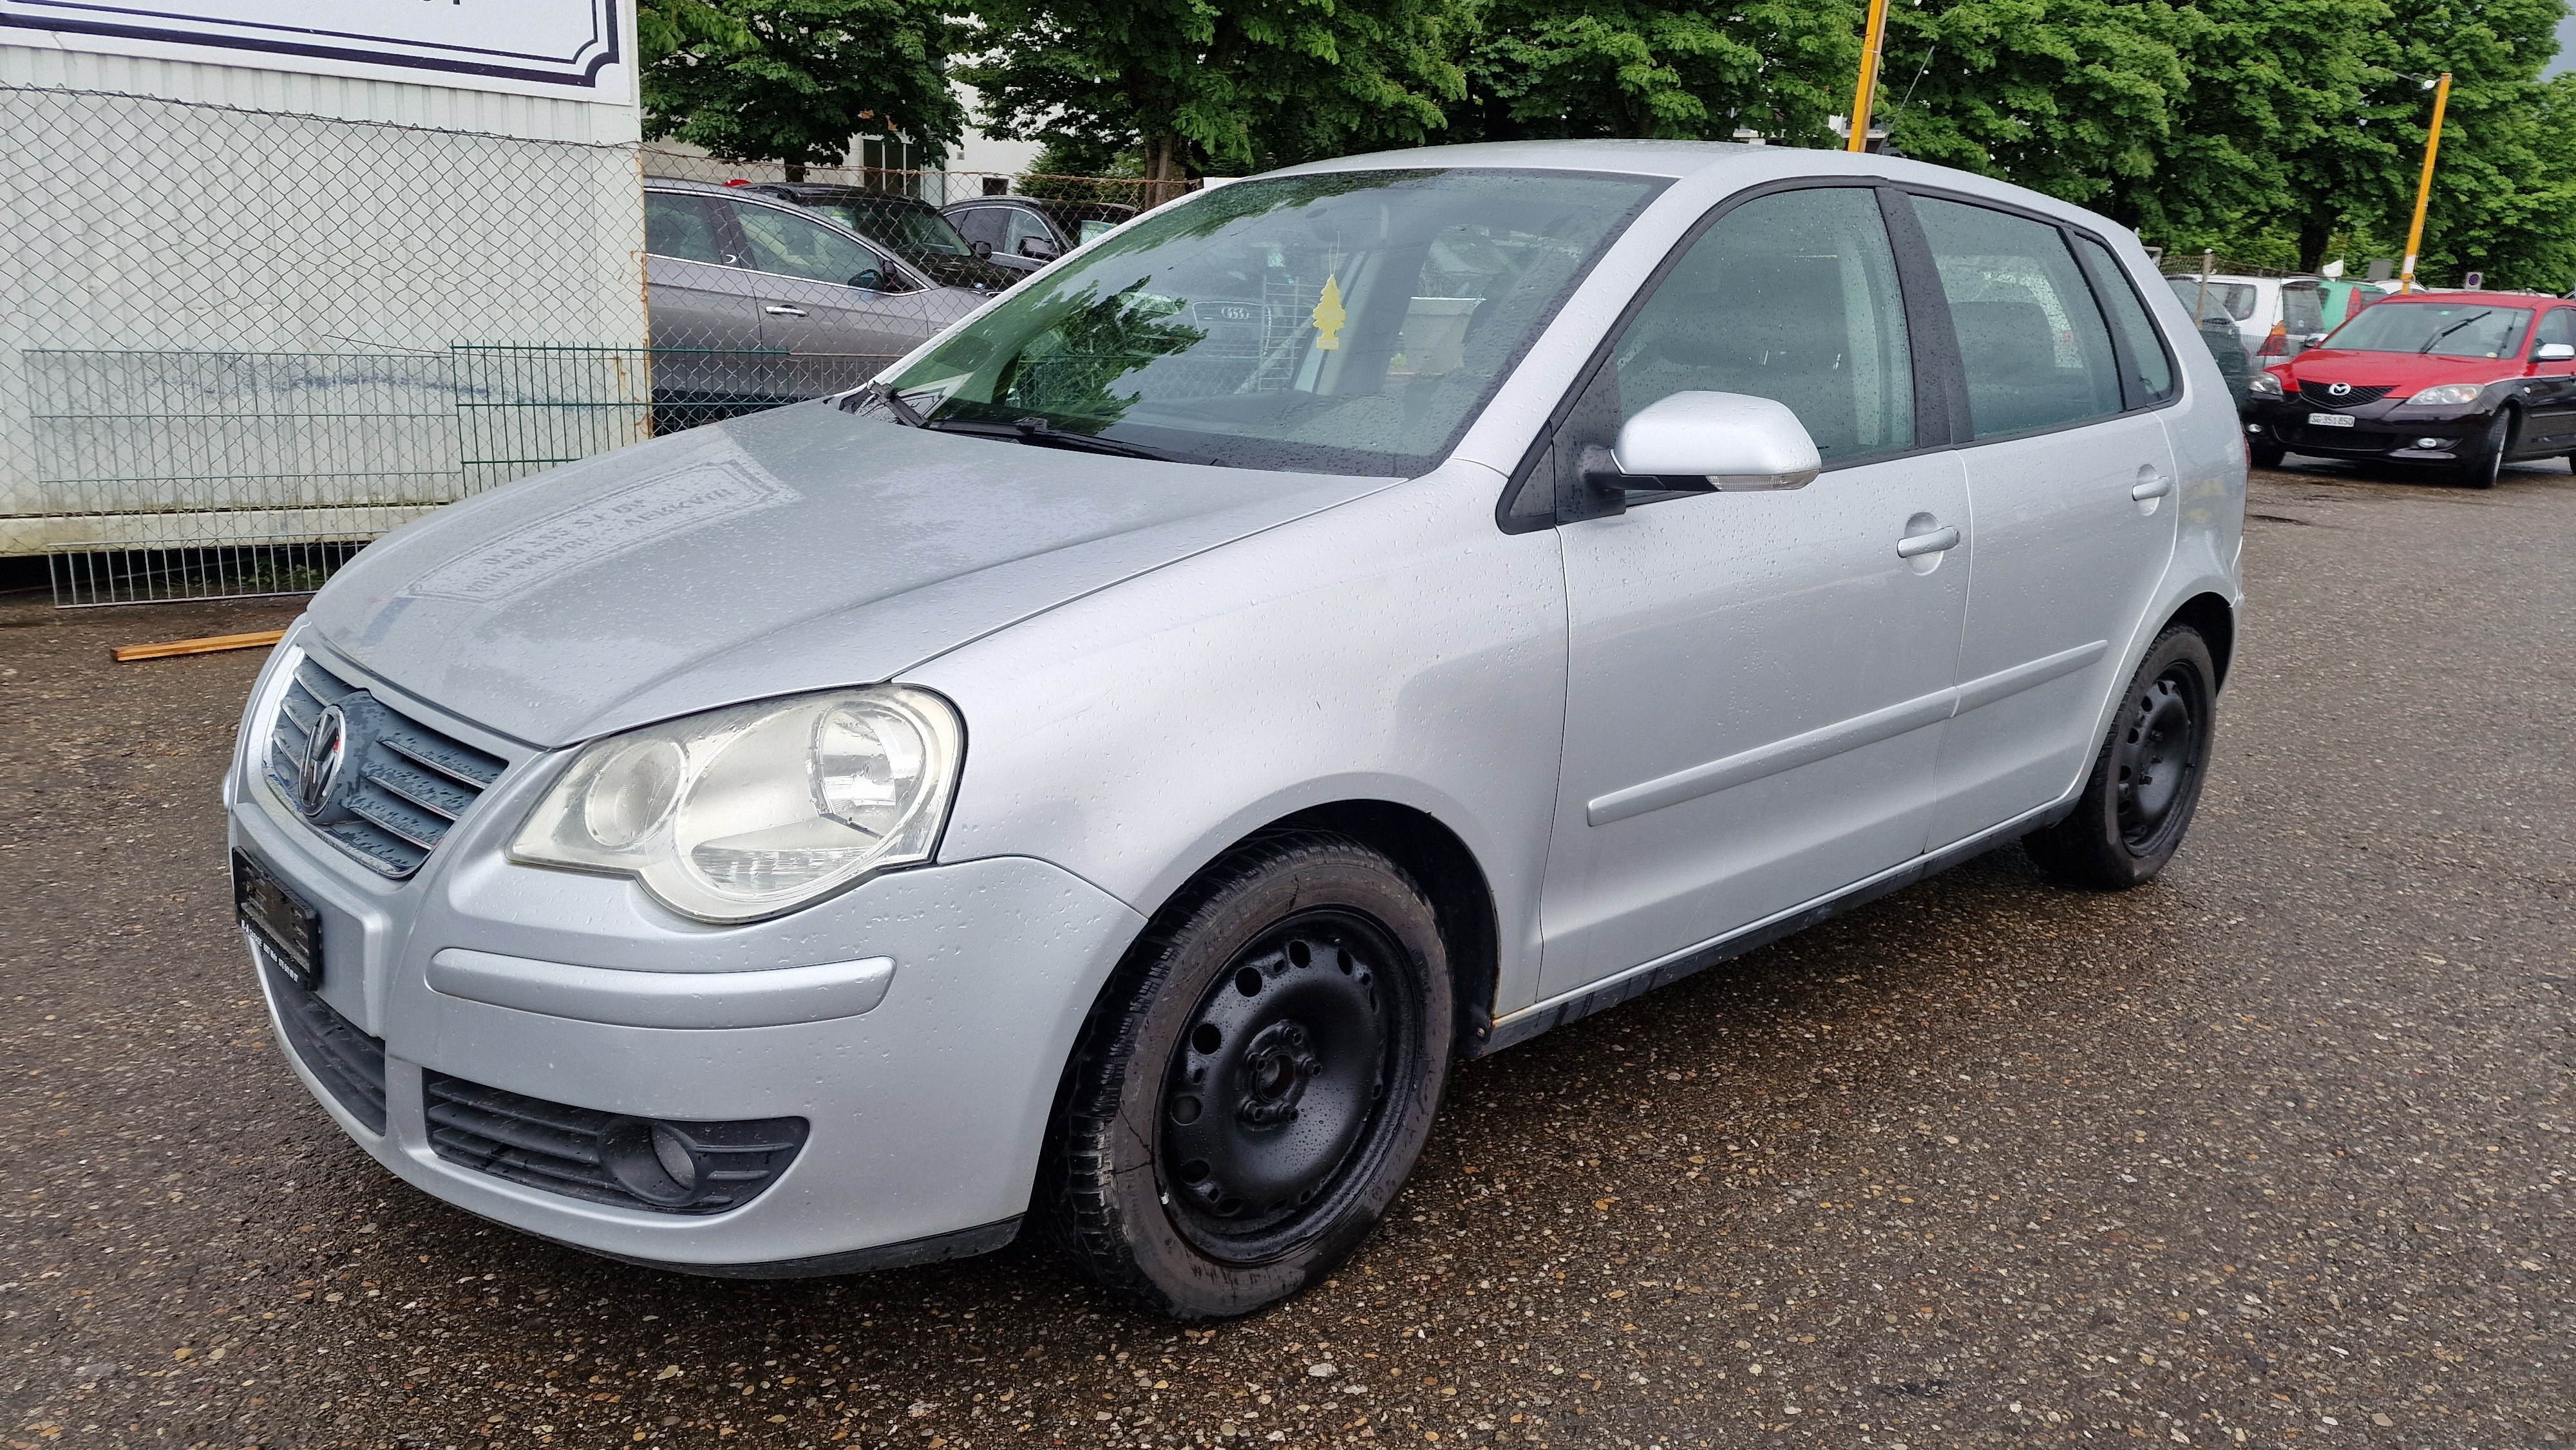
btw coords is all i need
(755, 810)
(2449, 394)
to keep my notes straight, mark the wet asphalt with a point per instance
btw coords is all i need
(2276, 1150)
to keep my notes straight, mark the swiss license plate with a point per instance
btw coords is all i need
(279, 920)
(2329, 420)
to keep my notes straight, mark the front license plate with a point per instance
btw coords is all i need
(291, 930)
(2329, 420)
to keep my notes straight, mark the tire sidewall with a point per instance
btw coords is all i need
(2101, 809)
(1182, 967)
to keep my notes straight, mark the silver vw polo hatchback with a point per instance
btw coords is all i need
(1099, 778)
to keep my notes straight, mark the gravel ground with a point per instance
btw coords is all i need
(2275, 1150)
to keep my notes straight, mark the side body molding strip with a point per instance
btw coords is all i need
(1827, 741)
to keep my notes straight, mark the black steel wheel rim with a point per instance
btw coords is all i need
(2157, 757)
(1280, 1081)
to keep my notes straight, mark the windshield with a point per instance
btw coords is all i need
(909, 231)
(1351, 322)
(2445, 329)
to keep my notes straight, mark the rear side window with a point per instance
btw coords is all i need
(1791, 297)
(2032, 342)
(682, 226)
(2150, 370)
(2231, 300)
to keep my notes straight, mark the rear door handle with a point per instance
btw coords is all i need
(1914, 546)
(2155, 485)
(779, 310)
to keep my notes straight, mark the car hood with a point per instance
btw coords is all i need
(792, 550)
(2395, 371)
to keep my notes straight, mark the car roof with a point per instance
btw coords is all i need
(829, 191)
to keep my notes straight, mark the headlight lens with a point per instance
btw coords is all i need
(757, 809)
(2263, 385)
(2448, 394)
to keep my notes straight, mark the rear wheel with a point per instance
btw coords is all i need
(2145, 784)
(1257, 1082)
(2484, 461)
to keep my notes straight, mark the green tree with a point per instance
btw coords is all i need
(1196, 87)
(803, 77)
(1638, 68)
(2505, 180)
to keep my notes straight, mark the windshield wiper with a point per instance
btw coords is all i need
(1040, 433)
(2454, 327)
(902, 412)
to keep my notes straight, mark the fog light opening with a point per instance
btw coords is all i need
(653, 1161)
(2429, 442)
(2253, 427)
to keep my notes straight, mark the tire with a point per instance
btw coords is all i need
(2266, 454)
(2139, 799)
(2486, 459)
(1256, 1082)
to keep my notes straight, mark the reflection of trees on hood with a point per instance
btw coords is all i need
(1067, 370)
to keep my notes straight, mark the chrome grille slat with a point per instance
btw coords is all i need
(403, 784)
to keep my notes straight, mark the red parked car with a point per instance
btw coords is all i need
(2459, 381)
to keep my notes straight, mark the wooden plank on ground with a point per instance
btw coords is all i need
(257, 639)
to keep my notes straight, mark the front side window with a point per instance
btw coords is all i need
(1350, 322)
(2031, 338)
(2558, 325)
(1791, 297)
(2440, 329)
(1026, 226)
(2151, 371)
(686, 227)
(794, 246)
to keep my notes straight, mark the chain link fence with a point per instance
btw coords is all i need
(236, 344)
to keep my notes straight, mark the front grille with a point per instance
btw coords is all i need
(2316, 395)
(402, 785)
(604, 1157)
(349, 1062)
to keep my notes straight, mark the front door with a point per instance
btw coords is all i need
(1757, 681)
(2550, 426)
(2071, 479)
(824, 301)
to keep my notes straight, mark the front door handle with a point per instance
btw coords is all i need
(1915, 546)
(775, 309)
(2154, 485)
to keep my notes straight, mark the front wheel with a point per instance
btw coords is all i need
(2265, 453)
(2145, 784)
(1256, 1082)
(2484, 462)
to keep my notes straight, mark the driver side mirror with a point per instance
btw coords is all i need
(2554, 352)
(1709, 443)
(870, 280)
(983, 250)
(1040, 249)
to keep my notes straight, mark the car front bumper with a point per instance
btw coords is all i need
(919, 1027)
(2394, 431)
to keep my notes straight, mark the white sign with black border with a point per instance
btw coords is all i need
(578, 49)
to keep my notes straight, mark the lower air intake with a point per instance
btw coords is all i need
(659, 1165)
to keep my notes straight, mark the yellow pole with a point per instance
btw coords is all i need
(2424, 188)
(1867, 91)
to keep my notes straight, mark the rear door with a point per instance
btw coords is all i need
(823, 299)
(704, 316)
(2070, 481)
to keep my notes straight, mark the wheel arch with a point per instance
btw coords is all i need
(2215, 618)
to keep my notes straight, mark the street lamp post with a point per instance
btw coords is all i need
(2424, 187)
(1866, 92)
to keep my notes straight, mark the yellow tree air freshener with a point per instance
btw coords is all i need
(1329, 316)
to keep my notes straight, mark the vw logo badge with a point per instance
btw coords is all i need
(324, 754)
(2337, 390)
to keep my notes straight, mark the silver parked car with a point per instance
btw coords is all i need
(1101, 776)
(757, 301)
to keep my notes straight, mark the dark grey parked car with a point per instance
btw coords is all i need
(757, 302)
(1025, 233)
